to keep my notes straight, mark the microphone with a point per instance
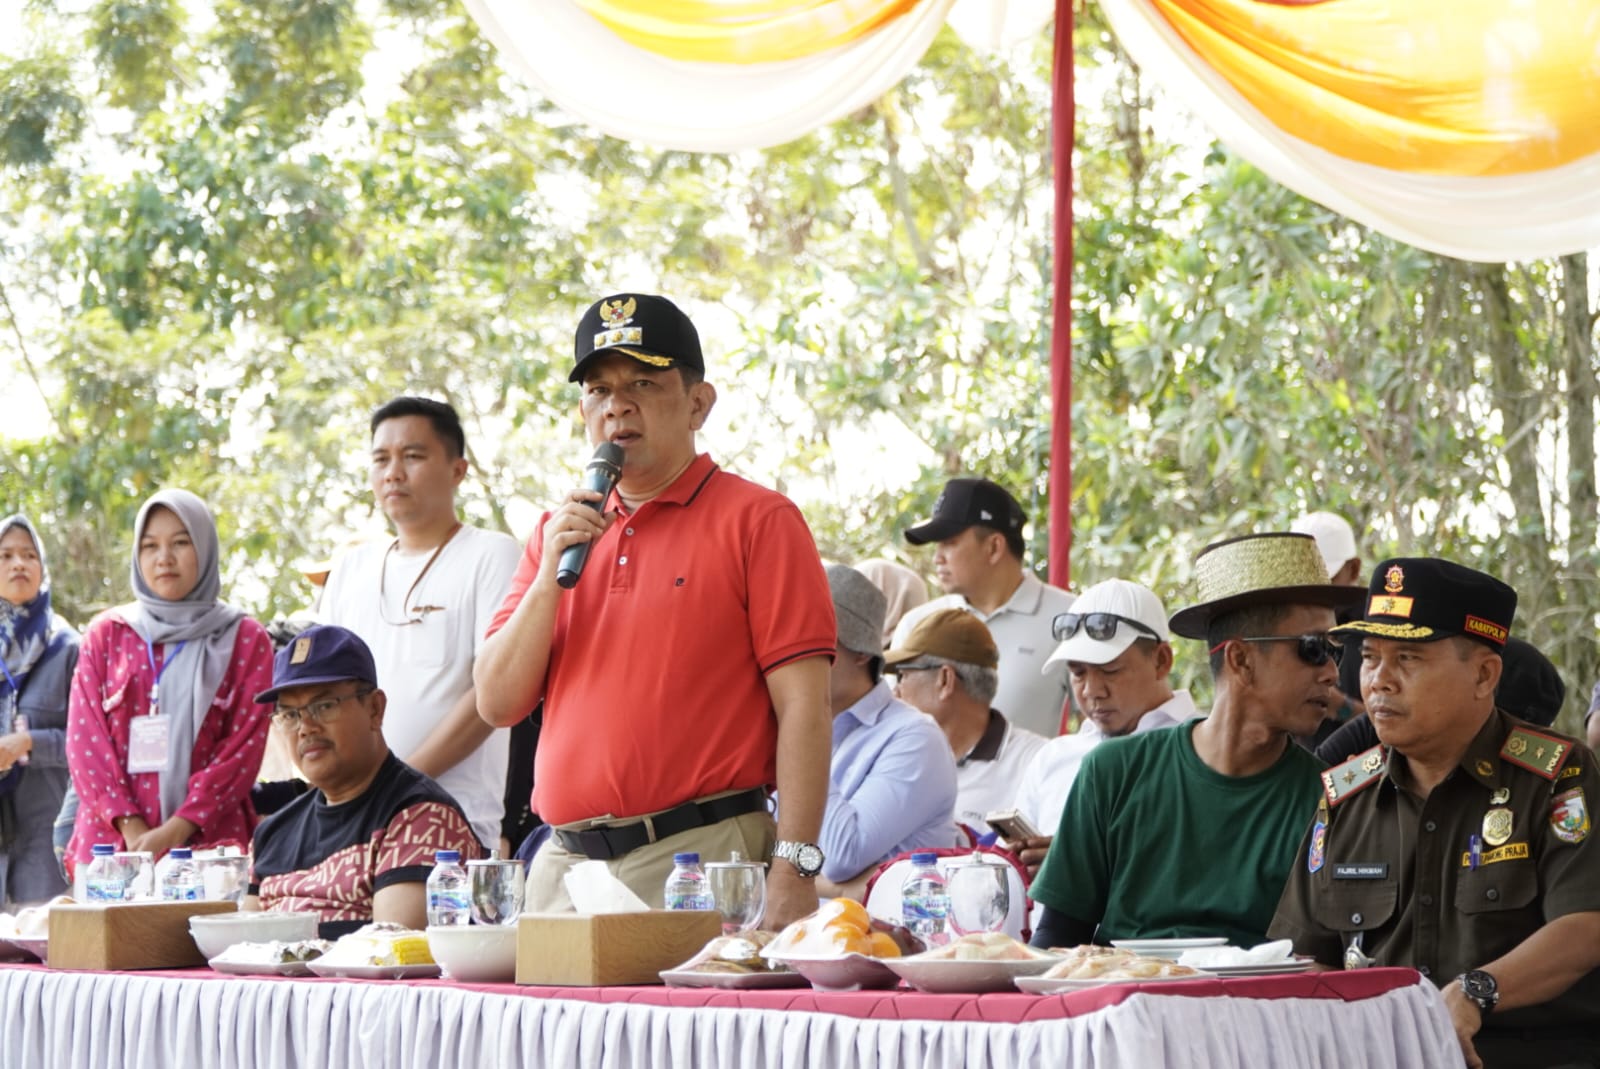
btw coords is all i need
(600, 476)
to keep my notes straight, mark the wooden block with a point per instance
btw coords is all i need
(112, 937)
(566, 949)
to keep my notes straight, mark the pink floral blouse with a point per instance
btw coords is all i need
(110, 687)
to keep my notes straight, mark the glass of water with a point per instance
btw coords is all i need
(980, 896)
(497, 888)
(739, 889)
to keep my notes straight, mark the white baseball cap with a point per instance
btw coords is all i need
(1335, 539)
(1139, 614)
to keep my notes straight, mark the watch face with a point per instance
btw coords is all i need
(1479, 986)
(808, 858)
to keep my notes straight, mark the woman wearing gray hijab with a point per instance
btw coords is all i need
(38, 652)
(164, 739)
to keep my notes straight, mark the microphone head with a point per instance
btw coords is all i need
(610, 454)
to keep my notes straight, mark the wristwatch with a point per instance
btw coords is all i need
(1481, 988)
(805, 857)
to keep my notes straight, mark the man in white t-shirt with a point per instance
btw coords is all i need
(423, 603)
(947, 667)
(1114, 644)
(977, 530)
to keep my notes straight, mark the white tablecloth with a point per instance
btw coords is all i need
(118, 1020)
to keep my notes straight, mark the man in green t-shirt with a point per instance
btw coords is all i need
(1192, 831)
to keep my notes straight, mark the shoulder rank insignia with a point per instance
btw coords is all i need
(1538, 753)
(1361, 771)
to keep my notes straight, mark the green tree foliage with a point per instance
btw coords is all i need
(228, 231)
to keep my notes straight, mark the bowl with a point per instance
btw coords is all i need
(475, 953)
(216, 932)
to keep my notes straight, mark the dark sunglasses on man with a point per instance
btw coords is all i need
(1100, 626)
(1315, 650)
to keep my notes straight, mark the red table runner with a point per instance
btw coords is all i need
(906, 1004)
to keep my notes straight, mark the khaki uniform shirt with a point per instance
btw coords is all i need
(1500, 848)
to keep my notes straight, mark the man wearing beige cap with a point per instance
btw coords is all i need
(1192, 831)
(946, 667)
(892, 781)
(1114, 642)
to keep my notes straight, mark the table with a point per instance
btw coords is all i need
(198, 1020)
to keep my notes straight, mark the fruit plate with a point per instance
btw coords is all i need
(849, 972)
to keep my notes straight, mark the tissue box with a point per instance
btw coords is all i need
(111, 937)
(602, 949)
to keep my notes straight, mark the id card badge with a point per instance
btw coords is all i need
(148, 737)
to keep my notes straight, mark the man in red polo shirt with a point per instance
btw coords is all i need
(687, 670)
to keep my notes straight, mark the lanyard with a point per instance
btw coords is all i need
(16, 684)
(155, 685)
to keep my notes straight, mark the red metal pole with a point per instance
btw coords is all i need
(1062, 125)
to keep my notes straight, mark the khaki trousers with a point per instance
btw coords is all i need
(646, 869)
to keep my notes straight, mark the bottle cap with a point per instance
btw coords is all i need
(181, 853)
(446, 857)
(922, 857)
(686, 859)
(102, 849)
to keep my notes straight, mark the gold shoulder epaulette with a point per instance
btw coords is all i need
(1529, 749)
(1362, 770)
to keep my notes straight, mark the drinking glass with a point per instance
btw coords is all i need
(739, 889)
(980, 896)
(497, 888)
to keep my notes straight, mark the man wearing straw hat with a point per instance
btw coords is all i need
(1461, 846)
(1191, 831)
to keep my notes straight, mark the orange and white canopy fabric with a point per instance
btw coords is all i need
(1468, 127)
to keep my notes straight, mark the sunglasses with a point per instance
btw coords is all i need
(1100, 626)
(1315, 650)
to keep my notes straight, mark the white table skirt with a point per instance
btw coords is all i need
(120, 1020)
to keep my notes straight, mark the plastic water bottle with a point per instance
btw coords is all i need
(180, 881)
(105, 880)
(449, 891)
(687, 887)
(924, 900)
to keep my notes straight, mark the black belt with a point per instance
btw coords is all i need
(613, 841)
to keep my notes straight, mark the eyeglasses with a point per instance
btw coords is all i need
(1100, 626)
(319, 712)
(1315, 650)
(902, 669)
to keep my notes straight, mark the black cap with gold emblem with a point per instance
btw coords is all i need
(651, 329)
(1424, 599)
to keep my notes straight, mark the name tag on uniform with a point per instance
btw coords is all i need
(1362, 870)
(147, 742)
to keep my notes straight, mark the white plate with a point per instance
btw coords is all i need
(852, 972)
(945, 976)
(260, 968)
(1167, 948)
(1039, 985)
(1273, 968)
(372, 972)
(732, 981)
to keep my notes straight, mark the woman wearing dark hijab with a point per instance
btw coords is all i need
(38, 652)
(164, 739)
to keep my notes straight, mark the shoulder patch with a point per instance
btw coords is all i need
(1356, 774)
(1538, 753)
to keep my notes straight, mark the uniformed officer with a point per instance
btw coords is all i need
(1461, 846)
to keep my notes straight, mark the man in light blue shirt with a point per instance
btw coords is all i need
(892, 780)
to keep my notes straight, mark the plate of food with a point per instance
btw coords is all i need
(841, 948)
(1167, 948)
(276, 958)
(733, 962)
(377, 952)
(1267, 959)
(1092, 966)
(973, 964)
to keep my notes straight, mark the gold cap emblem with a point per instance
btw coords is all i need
(1394, 580)
(618, 313)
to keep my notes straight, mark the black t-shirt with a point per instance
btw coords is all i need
(331, 859)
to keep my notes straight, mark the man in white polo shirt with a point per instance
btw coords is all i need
(946, 668)
(1114, 643)
(978, 559)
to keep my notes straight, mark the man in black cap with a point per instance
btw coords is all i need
(1460, 846)
(687, 670)
(360, 846)
(978, 558)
